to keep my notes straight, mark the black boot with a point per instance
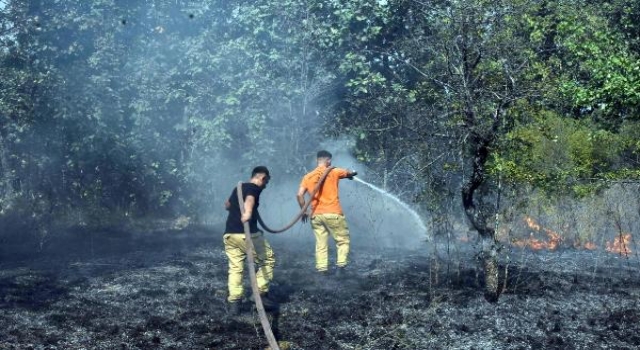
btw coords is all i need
(268, 302)
(233, 308)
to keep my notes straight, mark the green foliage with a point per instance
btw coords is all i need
(128, 109)
(562, 155)
(597, 69)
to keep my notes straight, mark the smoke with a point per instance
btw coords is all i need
(375, 220)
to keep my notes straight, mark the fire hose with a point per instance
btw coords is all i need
(302, 210)
(262, 314)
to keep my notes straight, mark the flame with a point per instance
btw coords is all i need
(590, 246)
(586, 245)
(532, 223)
(553, 242)
(620, 244)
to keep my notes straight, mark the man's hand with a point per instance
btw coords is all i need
(352, 174)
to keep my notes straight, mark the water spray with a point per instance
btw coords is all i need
(404, 205)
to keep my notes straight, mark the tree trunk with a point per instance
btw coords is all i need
(490, 265)
(6, 189)
(478, 217)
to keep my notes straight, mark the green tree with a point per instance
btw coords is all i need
(145, 101)
(580, 131)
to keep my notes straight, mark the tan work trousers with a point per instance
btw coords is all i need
(336, 225)
(235, 247)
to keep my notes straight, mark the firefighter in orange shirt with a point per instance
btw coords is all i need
(326, 213)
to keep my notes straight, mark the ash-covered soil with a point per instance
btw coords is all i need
(167, 289)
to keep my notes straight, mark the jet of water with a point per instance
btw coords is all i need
(402, 204)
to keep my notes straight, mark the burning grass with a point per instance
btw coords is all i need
(166, 291)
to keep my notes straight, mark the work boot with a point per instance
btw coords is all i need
(268, 302)
(341, 272)
(233, 307)
(323, 272)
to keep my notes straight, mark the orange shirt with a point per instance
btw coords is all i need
(326, 200)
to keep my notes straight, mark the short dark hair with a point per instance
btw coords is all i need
(323, 154)
(261, 169)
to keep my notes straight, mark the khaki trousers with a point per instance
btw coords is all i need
(336, 225)
(235, 247)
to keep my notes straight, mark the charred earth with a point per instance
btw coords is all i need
(166, 290)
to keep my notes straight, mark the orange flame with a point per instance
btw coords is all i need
(537, 244)
(578, 244)
(590, 246)
(532, 223)
(620, 244)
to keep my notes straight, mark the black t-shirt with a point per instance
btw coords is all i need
(234, 225)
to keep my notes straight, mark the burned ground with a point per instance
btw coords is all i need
(166, 290)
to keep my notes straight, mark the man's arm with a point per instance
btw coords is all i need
(249, 202)
(300, 196)
(346, 173)
(227, 204)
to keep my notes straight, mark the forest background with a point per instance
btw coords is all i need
(477, 113)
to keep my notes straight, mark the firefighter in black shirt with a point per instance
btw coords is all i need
(235, 245)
